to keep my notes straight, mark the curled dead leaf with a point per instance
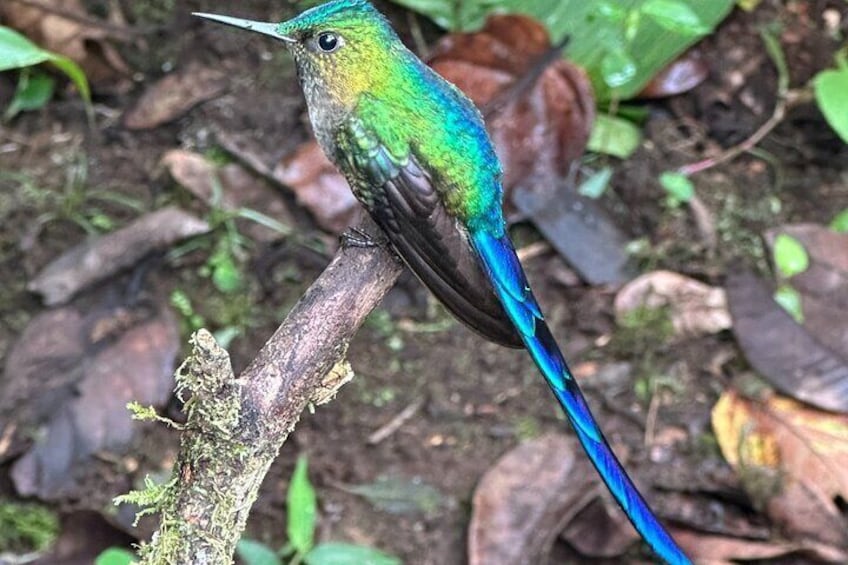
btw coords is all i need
(318, 186)
(521, 504)
(600, 530)
(695, 308)
(175, 94)
(793, 458)
(714, 549)
(230, 187)
(681, 75)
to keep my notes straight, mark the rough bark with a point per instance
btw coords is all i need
(236, 425)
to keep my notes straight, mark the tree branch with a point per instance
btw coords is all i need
(236, 426)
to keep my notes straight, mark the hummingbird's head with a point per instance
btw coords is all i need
(342, 48)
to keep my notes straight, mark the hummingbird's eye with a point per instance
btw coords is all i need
(328, 42)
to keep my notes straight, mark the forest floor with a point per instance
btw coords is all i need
(468, 402)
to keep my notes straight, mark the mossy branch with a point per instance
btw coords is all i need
(236, 426)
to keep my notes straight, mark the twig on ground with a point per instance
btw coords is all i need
(395, 423)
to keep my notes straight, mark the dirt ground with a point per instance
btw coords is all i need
(476, 400)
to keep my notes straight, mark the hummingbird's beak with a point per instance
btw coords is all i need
(260, 27)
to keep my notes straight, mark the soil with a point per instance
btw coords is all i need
(477, 400)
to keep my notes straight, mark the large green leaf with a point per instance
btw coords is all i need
(831, 88)
(301, 507)
(253, 552)
(115, 556)
(35, 89)
(348, 554)
(17, 52)
(606, 35)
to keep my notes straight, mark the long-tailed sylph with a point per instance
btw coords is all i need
(416, 154)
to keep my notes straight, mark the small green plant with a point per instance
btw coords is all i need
(232, 309)
(115, 556)
(790, 259)
(840, 222)
(301, 503)
(36, 88)
(678, 188)
(75, 201)
(830, 87)
(595, 185)
(613, 135)
(26, 527)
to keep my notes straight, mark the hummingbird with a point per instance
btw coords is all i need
(415, 152)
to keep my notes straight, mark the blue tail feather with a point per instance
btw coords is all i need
(504, 269)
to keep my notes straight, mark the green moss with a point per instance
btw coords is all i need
(640, 330)
(26, 527)
(526, 427)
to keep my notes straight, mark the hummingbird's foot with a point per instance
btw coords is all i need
(355, 237)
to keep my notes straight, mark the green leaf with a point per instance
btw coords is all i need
(451, 14)
(226, 275)
(596, 184)
(75, 73)
(34, 91)
(675, 16)
(348, 554)
(595, 29)
(790, 257)
(830, 88)
(301, 506)
(614, 136)
(399, 495)
(618, 68)
(252, 552)
(790, 300)
(17, 52)
(611, 11)
(115, 556)
(678, 187)
(840, 222)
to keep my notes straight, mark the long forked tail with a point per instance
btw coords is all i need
(510, 283)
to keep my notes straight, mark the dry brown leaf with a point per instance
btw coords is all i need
(695, 308)
(824, 285)
(79, 407)
(84, 43)
(681, 75)
(600, 530)
(521, 504)
(175, 94)
(99, 258)
(318, 186)
(793, 456)
(715, 550)
(196, 174)
(232, 186)
(802, 362)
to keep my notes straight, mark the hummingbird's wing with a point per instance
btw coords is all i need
(404, 202)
